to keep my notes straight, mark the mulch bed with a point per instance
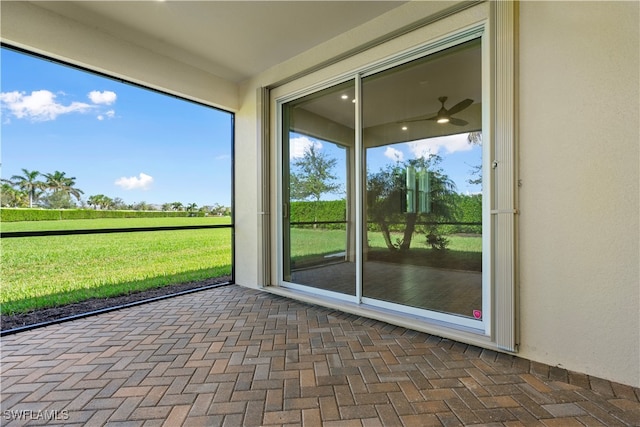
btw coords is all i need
(34, 317)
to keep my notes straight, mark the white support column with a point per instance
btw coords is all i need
(264, 193)
(504, 209)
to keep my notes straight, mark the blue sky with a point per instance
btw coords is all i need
(457, 154)
(116, 139)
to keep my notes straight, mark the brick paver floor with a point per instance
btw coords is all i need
(233, 356)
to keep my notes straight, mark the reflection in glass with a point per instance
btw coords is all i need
(318, 155)
(423, 157)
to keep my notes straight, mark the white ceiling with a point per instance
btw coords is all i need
(392, 99)
(233, 40)
(236, 40)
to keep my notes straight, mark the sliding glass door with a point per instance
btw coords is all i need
(403, 147)
(318, 192)
(422, 136)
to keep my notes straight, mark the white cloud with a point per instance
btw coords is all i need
(39, 106)
(298, 146)
(140, 182)
(393, 154)
(107, 97)
(450, 144)
(108, 115)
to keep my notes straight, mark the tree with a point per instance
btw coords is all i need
(12, 197)
(62, 188)
(176, 206)
(118, 203)
(94, 200)
(29, 183)
(143, 206)
(387, 195)
(100, 201)
(216, 209)
(58, 182)
(313, 178)
(57, 200)
(475, 138)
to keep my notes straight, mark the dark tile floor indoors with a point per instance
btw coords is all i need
(232, 356)
(448, 291)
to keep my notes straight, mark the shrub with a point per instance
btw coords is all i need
(13, 214)
(329, 210)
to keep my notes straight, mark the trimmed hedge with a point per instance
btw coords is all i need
(469, 210)
(331, 210)
(13, 215)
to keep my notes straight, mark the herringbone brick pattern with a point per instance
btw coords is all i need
(231, 356)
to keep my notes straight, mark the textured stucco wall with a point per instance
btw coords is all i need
(579, 165)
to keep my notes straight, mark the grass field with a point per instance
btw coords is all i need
(82, 224)
(309, 246)
(40, 272)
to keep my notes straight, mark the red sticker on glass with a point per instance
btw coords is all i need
(477, 314)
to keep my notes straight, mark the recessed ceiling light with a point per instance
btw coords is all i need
(404, 128)
(345, 97)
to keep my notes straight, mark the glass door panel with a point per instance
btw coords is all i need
(318, 191)
(422, 136)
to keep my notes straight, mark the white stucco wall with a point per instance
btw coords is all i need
(246, 213)
(579, 165)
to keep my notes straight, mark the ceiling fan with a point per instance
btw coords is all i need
(444, 115)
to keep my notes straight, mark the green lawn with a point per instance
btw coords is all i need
(309, 246)
(46, 271)
(81, 224)
(39, 272)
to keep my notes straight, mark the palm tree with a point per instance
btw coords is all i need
(58, 182)
(10, 196)
(100, 201)
(29, 183)
(94, 200)
(106, 202)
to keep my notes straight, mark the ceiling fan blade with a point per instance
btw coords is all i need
(418, 120)
(460, 106)
(458, 122)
